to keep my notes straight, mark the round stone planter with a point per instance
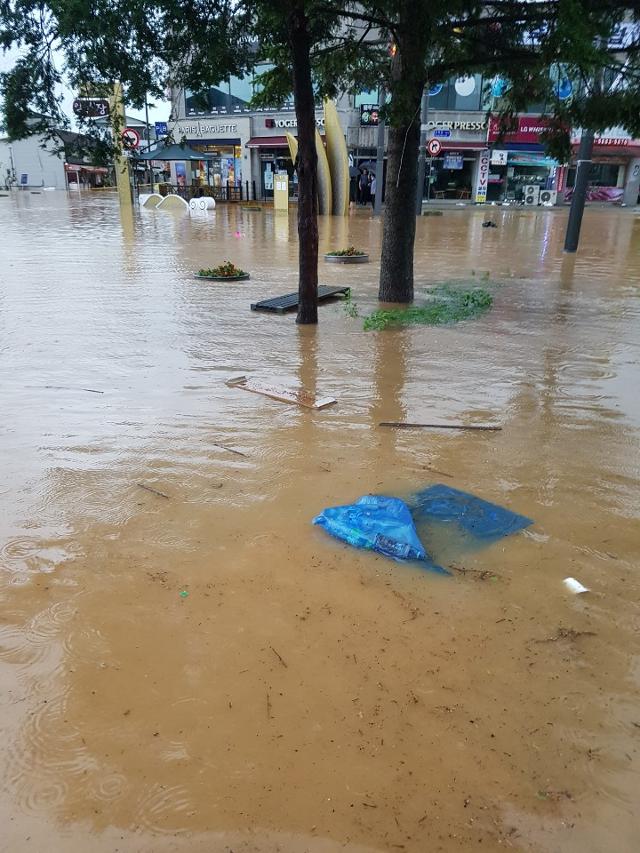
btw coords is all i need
(224, 277)
(347, 259)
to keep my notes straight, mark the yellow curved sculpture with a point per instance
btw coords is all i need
(293, 145)
(338, 159)
(324, 176)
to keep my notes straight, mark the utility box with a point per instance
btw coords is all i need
(281, 191)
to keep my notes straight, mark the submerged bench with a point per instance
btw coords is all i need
(289, 302)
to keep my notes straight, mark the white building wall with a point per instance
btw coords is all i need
(43, 167)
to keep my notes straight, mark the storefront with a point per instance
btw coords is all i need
(611, 176)
(450, 175)
(269, 150)
(520, 170)
(81, 175)
(227, 163)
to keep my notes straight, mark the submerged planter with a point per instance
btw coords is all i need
(243, 277)
(347, 259)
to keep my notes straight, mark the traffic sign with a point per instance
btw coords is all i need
(434, 147)
(161, 128)
(130, 137)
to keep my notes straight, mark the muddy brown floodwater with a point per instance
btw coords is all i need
(207, 671)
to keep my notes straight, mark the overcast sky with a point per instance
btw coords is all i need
(159, 111)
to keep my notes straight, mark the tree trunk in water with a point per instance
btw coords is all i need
(307, 165)
(399, 229)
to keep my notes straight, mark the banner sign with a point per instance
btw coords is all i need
(522, 129)
(453, 160)
(369, 115)
(483, 178)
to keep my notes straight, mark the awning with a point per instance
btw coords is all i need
(81, 167)
(268, 142)
(172, 152)
(627, 150)
(450, 145)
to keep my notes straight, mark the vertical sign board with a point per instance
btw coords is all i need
(24, 179)
(483, 178)
(281, 191)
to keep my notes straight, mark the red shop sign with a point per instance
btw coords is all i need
(523, 129)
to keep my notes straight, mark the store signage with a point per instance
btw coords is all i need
(289, 122)
(483, 178)
(369, 115)
(24, 179)
(440, 133)
(457, 125)
(453, 160)
(91, 107)
(522, 129)
(499, 158)
(204, 129)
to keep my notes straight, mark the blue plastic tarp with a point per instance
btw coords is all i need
(480, 519)
(377, 523)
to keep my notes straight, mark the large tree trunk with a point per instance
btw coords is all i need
(407, 83)
(399, 229)
(307, 165)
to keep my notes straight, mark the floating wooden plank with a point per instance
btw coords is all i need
(285, 395)
(289, 302)
(400, 425)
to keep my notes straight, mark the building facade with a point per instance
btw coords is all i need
(37, 162)
(468, 158)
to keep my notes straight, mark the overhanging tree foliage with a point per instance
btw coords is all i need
(523, 42)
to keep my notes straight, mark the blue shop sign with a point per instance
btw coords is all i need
(453, 160)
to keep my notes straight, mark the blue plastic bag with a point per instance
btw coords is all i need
(478, 518)
(376, 523)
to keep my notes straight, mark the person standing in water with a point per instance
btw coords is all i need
(364, 187)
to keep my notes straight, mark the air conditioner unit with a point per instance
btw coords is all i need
(531, 194)
(548, 197)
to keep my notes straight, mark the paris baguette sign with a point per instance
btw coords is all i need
(204, 129)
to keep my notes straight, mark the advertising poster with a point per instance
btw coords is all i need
(181, 174)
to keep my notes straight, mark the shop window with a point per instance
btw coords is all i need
(600, 175)
(459, 93)
(228, 96)
(241, 90)
(370, 97)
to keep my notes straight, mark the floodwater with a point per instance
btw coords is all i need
(207, 671)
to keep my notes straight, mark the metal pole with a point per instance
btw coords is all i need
(148, 171)
(585, 151)
(377, 203)
(422, 153)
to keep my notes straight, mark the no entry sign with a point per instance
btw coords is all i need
(130, 137)
(434, 147)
